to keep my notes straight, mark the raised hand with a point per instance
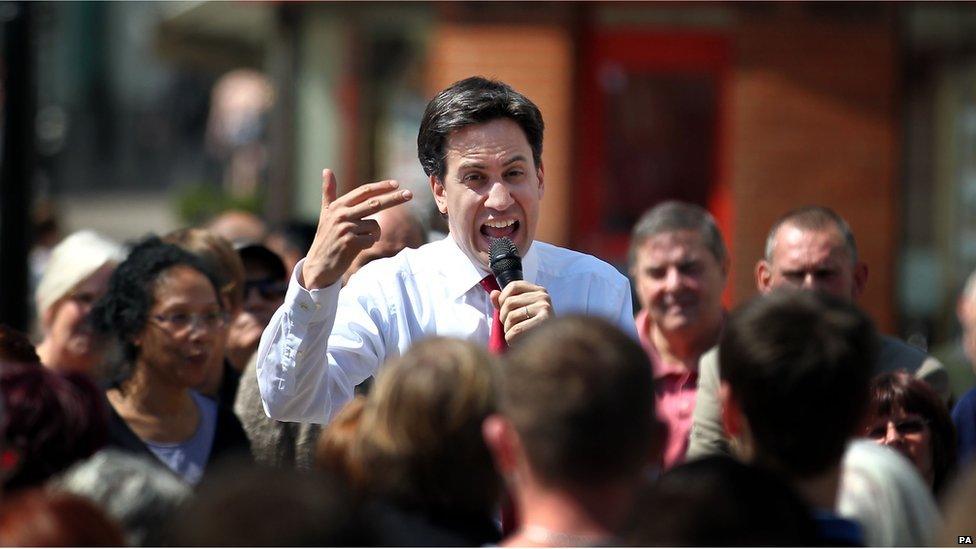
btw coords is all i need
(343, 232)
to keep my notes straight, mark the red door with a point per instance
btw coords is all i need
(652, 114)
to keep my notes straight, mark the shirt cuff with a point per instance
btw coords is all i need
(308, 306)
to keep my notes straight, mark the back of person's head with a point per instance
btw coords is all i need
(52, 421)
(579, 393)
(15, 346)
(893, 392)
(718, 501)
(883, 492)
(136, 491)
(333, 450)
(474, 100)
(245, 505)
(219, 256)
(35, 518)
(73, 260)
(672, 216)
(419, 438)
(798, 365)
(813, 218)
(124, 310)
(237, 226)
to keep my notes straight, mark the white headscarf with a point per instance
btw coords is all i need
(73, 260)
(883, 491)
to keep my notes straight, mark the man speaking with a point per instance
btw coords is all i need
(480, 144)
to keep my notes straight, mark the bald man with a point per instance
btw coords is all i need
(810, 248)
(399, 228)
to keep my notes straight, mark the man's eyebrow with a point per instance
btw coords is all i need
(516, 158)
(471, 164)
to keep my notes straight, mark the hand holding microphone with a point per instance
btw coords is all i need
(521, 305)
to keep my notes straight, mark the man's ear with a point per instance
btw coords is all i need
(540, 172)
(860, 278)
(439, 192)
(503, 443)
(764, 276)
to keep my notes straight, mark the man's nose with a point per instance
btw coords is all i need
(672, 280)
(499, 197)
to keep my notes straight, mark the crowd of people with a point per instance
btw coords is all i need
(360, 383)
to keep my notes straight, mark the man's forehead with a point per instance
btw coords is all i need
(800, 243)
(492, 137)
(682, 242)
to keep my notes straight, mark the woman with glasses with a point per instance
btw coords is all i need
(907, 415)
(162, 306)
(75, 277)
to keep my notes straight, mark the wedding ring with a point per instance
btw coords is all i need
(527, 315)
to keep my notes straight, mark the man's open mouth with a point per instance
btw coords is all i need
(499, 229)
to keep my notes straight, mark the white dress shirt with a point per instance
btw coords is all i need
(322, 343)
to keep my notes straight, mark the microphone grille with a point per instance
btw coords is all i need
(501, 249)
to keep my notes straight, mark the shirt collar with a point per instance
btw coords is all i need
(660, 368)
(461, 273)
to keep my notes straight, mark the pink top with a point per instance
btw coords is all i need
(675, 388)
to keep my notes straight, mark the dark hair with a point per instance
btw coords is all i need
(812, 218)
(231, 509)
(894, 391)
(798, 364)
(15, 346)
(674, 215)
(474, 100)
(35, 518)
(298, 235)
(124, 308)
(52, 421)
(718, 501)
(580, 394)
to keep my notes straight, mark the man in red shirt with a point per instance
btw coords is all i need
(679, 265)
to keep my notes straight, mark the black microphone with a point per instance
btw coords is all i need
(504, 260)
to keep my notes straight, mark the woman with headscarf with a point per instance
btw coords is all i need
(75, 278)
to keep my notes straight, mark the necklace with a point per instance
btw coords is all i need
(546, 536)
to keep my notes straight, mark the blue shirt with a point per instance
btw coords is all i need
(964, 416)
(189, 458)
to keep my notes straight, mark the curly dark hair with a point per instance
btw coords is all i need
(474, 100)
(894, 391)
(123, 310)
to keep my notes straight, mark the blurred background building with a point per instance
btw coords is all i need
(148, 116)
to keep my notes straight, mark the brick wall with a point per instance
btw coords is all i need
(814, 121)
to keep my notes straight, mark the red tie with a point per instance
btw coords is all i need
(496, 343)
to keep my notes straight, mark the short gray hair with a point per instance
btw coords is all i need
(137, 491)
(675, 215)
(812, 218)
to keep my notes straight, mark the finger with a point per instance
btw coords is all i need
(378, 203)
(367, 190)
(328, 188)
(495, 294)
(519, 287)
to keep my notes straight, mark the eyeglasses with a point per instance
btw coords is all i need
(268, 288)
(905, 427)
(179, 322)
